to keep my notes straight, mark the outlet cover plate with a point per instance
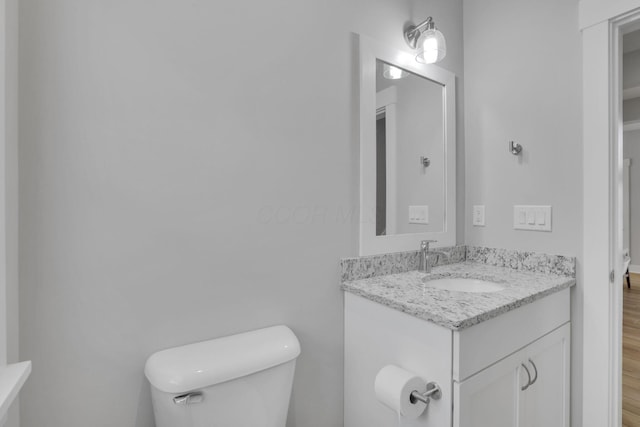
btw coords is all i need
(478, 216)
(418, 214)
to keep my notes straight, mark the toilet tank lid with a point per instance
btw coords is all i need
(203, 364)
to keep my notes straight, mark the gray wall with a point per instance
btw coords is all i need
(11, 188)
(518, 89)
(631, 79)
(631, 112)
(523, 83)
(181, 179)
(631, 109)
(632, 151)
(630, 67)
(420, 130)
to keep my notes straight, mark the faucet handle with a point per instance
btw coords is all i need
(425, 244)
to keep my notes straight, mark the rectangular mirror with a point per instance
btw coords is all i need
(410, 152)
(407, 151)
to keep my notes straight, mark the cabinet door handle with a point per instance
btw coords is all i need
(524, 387)
(535, 371)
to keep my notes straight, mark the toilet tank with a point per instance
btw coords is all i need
(235, 381)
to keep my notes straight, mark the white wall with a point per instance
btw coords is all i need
(183, 168)
(523, 83)
(632, 151)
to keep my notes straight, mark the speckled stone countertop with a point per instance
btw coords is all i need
(407, 292)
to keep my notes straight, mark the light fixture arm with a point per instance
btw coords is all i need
(412, 32)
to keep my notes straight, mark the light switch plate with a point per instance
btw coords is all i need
(478, 215)
(418, 214)
(536, 218)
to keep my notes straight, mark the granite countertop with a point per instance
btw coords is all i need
(406, 292)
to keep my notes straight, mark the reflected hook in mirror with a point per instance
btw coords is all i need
(515, 148)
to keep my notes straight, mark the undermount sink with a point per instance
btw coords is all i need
(463, 285)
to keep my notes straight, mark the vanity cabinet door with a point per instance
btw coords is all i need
(490, 397)
(495, 397)
(546, 401)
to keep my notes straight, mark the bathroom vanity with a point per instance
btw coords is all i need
(491, 327)
(501, 358)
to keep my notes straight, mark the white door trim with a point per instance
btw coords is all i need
(616, 223)
(387, 99)
(595, 257)
(602, 215)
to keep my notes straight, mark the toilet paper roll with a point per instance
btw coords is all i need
(393, 388)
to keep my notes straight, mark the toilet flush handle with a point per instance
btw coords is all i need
(189, 398)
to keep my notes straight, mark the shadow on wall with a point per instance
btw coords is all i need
(144, 417)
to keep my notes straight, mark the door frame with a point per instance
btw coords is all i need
(602, 26)
(387, 99)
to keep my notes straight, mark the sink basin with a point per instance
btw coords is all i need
(464, 285)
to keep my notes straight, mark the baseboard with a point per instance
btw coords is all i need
(634, 269)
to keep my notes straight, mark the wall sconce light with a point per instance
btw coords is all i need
(428, 40)
(393, 73)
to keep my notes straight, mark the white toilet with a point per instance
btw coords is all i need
(241, 380)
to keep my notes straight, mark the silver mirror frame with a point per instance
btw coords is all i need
(369, 243)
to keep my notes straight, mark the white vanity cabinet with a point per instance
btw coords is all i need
(479, 369)
(529, 388)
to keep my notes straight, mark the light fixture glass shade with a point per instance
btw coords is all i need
(393, 73)
(431, 47)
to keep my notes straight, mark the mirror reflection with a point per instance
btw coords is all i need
(410, 152)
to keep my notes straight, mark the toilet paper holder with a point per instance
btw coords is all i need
(433, 392)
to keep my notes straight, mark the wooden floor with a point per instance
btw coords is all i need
(631, 354)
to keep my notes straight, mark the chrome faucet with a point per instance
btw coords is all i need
(428, 259)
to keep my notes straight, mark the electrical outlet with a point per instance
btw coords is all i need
(478, 216)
